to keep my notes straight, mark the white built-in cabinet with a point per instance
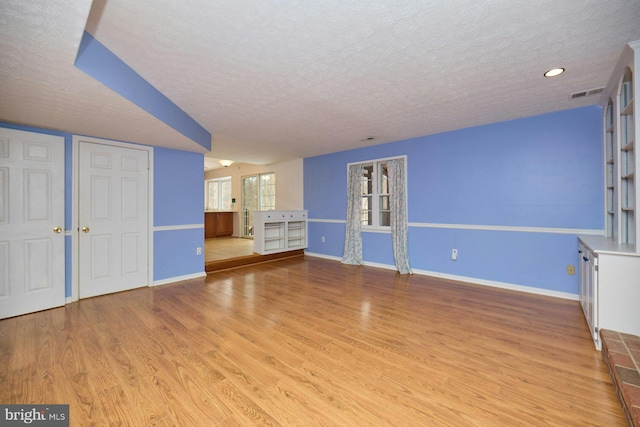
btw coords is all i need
(609, 265)
(609, 286)
(279, 231)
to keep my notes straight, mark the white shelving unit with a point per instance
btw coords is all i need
(279, 231)
(620, 153)
(610, 264)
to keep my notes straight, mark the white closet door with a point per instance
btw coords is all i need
(112, 218)
(31, 222)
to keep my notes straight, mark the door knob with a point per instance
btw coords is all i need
(57, 229)
(85, 229)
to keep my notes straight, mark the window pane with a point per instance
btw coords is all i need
(384, 203)
(268, 179)
(367, 214)
(216, 195)
(366, 203)
(367, 180)
(225, 195)
(385, 212)
(366, 217)
(384, 179)
(385, 218)
(267, 191)
(364, 186)
(249, 203)
(209, 201)
(368, 171)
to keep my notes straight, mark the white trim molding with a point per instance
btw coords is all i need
(501, 285)
(553, 230)
(177, 227)
(179, 278)
(519, 229)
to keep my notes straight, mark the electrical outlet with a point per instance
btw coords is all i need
(454, 254)
(571, 270)
(198, 251)
(323, 239)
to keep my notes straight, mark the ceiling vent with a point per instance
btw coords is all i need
(587, 93)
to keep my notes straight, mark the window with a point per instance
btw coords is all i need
(258, 194)
(218, 194)
(267, 191)
(375, 209)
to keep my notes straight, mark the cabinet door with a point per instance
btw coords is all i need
(224, 224)
(209, 225)
(591, 294)
(589, 290)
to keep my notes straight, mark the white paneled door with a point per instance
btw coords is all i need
(113, 210)
(31, 222)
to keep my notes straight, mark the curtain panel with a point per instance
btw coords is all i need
(353, 235)
(399, 221)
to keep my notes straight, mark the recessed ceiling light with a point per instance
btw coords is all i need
(368, 138)
(554, 72)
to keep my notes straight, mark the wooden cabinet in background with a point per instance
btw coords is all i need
(209, 225)
(218, 224)
(224, 224)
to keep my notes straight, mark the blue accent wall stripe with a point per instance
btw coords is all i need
(100, 63)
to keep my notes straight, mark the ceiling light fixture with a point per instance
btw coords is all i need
(554, 72)
(368, 138)
(225, 163)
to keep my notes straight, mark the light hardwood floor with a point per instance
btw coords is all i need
(307, 341)
(226, 247)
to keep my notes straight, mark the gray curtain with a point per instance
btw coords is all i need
(398, 205)
(353, 235)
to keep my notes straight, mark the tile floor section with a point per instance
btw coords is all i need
(622, 354)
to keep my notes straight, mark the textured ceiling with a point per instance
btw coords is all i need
(39, 86)
(274, 80)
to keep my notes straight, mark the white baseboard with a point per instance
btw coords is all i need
(465, 279)
(502, 285)
(178, 278)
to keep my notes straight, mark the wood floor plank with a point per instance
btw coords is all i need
(23, 343)
(262, 396)
(116, 407)
(309, 341)
(245, 407)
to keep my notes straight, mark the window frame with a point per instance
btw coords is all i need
(218, 182)
(376, 194)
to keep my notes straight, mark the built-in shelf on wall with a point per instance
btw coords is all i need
(610, 264)
(279, 231)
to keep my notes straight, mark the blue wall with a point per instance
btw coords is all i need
(178, 202)
(539, 172)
